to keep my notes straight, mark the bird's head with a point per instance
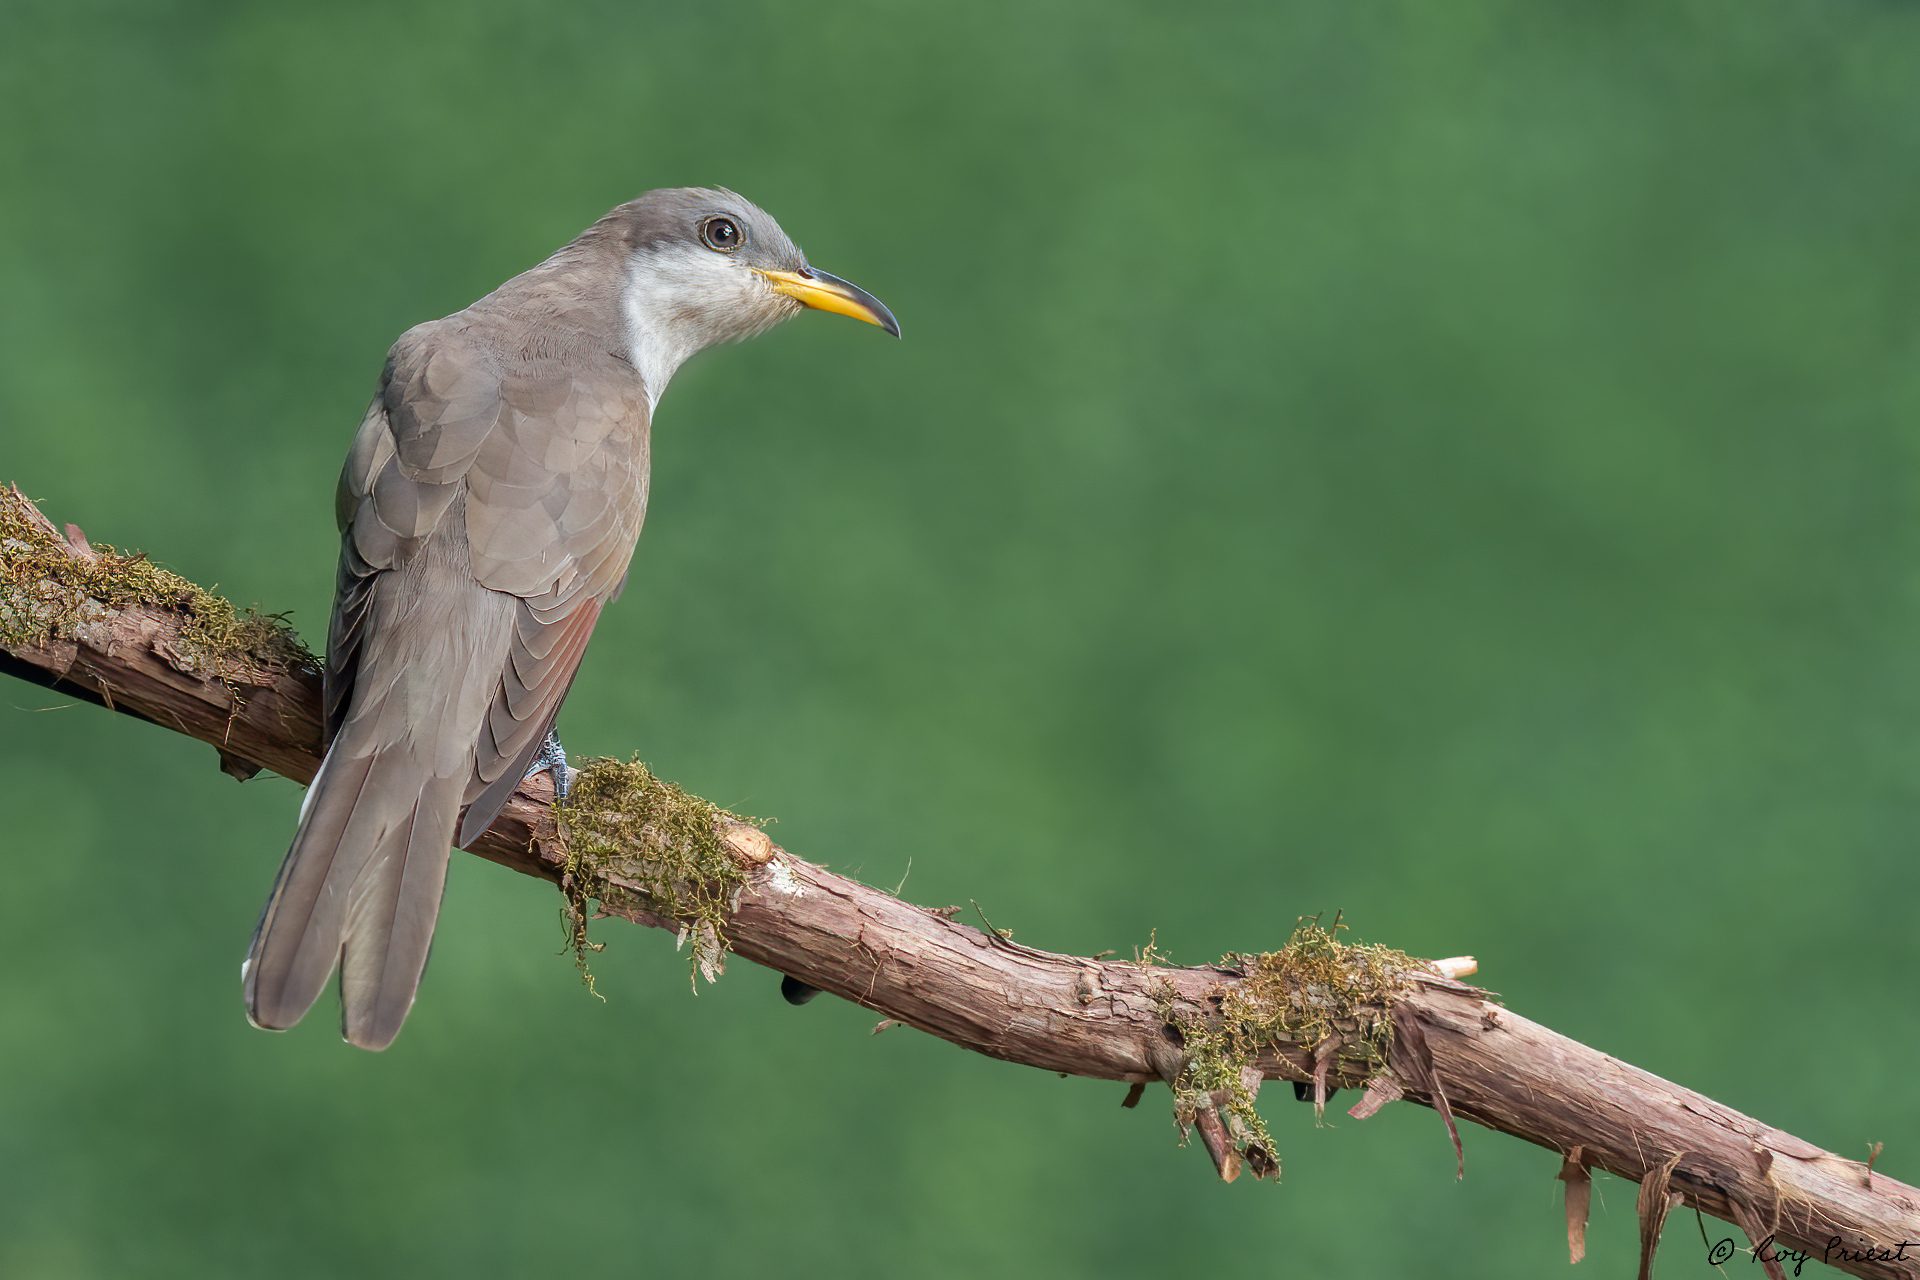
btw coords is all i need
(706, 266)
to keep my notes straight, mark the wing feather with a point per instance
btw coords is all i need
(488, 510)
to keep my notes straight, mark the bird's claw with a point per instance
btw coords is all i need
(553, 759)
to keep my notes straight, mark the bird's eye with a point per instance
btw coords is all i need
(722, 234)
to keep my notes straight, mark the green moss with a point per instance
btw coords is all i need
(1314, 990)
(633, 840)
(1149, 955)
(49, 591)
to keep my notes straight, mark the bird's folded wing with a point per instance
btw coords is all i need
(530, 479)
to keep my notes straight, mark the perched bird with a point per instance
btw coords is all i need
(488, 510)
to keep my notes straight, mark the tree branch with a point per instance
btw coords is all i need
(113, 630)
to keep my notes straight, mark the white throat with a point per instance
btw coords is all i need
(656, 348)
(683, 299)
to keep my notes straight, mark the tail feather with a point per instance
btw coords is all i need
(298, 938)
(415, 669)
(390, 920)
(361, 885)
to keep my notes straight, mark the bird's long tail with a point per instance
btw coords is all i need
(361, 884)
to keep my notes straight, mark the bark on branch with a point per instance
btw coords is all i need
(111, 629)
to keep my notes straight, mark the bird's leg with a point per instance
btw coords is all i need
(553, 759)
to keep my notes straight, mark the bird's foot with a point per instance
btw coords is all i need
(553, 759)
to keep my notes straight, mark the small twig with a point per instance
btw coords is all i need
(1213, 1136)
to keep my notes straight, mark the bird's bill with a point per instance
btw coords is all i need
(814, 288)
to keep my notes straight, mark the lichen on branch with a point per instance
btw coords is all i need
(51, 589)
(1332, 998)
(637, 842)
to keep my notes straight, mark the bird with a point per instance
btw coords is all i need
(488, 511)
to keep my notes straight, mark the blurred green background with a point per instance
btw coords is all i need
(1453, 464)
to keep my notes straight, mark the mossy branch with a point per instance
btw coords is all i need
(115, 630)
